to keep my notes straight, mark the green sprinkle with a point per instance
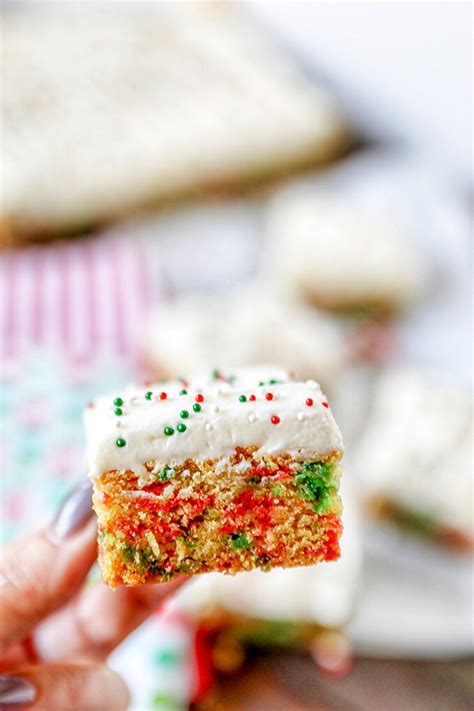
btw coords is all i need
(118, 402)
(118, 411)
(242, 398)
(181, 427)
(120, 442)
(272, 381)
(168, 431)
(261, 382)
(184, 414)
(148, 395)
(239, 540)
(183, 392)
(197, 407)
(216, 374)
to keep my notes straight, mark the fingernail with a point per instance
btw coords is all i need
(74, 513)
(15, 693)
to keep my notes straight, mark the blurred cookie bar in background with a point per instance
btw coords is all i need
(333, 254)
(108, 110)
(305, 609)
(243, 326)
(415, 457)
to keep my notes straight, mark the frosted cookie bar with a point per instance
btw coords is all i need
(334, 255)
(168, 100)
(415, 458)
(244, 326)
(228, 472)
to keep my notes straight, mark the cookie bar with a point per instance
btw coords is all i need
(227, 472)
(415, 458)
(168, 100)
(197, 328)
(331, 253)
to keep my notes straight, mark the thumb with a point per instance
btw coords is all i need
(56, 687)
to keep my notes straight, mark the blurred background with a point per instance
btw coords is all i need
(190, 185)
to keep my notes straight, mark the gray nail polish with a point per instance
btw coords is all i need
(15, 693)
(74, 513)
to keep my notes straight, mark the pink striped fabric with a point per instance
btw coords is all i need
(81, 299)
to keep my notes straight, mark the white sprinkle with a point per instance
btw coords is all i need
(118, 423)
(300, 417)
(155, 397)
(208, 427)
(252, 418)
(311, 384)
(216, 408)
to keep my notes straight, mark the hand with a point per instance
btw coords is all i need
(54, 633)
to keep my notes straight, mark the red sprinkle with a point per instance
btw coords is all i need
(325, 404)
(199, 397)
(269, 396)
(275, 419)
(163, 396)
(252, 398)
(310, 402)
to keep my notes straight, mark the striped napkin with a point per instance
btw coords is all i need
(79, 300)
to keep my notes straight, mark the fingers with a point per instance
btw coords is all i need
(56, 687)
(41, 572)
(96, 621)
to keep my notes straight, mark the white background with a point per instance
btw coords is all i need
(405, 68)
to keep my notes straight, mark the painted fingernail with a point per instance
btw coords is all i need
(15, 693)
(74, 513)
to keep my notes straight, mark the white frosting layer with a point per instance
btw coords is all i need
(417, 449)
(197, 329)
(222, 424)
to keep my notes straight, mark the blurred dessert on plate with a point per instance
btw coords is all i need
(110, 108)
(333, 254)
(414, 459)
(244, 326)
